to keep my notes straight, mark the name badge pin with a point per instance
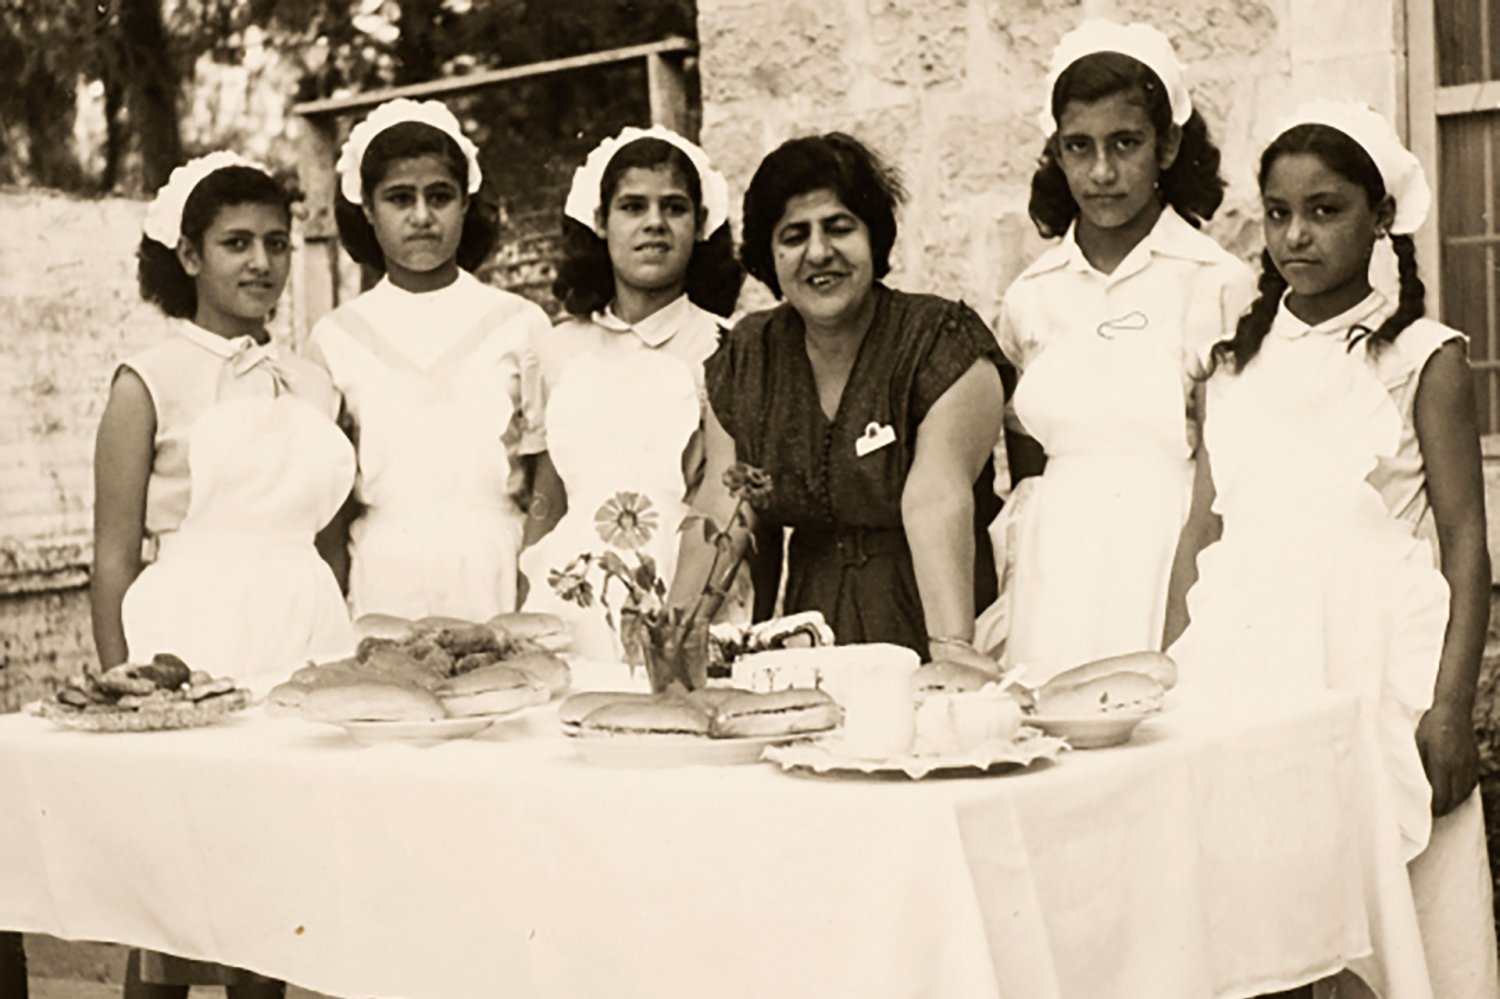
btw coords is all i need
(875, 437)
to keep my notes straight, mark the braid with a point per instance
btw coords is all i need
(1411, 302)
(1253, 326)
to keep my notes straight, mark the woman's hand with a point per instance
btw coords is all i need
(954, 651)
(1450, 755)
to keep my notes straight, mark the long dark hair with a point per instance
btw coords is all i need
(159, 274)
(585, 281)
(404, 141)
(1347, 158)
(1191, 185)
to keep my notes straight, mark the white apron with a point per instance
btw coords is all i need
(616, 422)
(238, 589)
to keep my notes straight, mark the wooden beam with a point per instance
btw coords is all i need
(315, 290)
(476, 81)
(666, 92)
(1420, 31)
(1468, 98)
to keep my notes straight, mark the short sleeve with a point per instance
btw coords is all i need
(1213, 314)
(533, 402)
(725, 369)
(322, 391)
(959, 339)
(1008, 334)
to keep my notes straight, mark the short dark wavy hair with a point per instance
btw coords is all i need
(1191, 185)
(840, 163)
(159, 274)
(585, 279)
(404, 141)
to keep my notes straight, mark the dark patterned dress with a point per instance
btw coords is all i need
(848, 555)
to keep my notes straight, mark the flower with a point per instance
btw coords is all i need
(571, 584)
(749, 483)
(626, 520)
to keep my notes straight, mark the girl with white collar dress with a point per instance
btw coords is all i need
(648, 273)
(436, 371)
(224, 452)
(1107, 331)
(1342, 433)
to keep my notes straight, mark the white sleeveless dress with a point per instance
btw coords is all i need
(237, 587)
(1325, 577)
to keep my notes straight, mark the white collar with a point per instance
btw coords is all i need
(657, 328)
(1171, 236)
(224, 347)
(1363, 313)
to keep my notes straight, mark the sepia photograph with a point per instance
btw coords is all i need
(749, 499)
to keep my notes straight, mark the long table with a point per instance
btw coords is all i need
(1233, 847)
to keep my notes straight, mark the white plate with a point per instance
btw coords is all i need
(416, 733)
(1091, 731)
(828, 755)
(675, 750)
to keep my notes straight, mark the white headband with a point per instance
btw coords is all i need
(433, 113)
(583, 197)
(1140, 42)
(163, 222)
(1405, 181)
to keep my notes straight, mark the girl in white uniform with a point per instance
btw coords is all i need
(1106, 331)
(436, 371)
(648, 272)
(1341, 430)
(224, 452)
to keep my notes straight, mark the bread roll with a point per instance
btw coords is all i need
(784, 712)
(383, 626)
(371, 701)
(572, 711)
(495, 689)
(1156, 665)
(1116, 693)
(655, 716)
(547, 630)
(951, 678)
(544, 668)
(949, 723)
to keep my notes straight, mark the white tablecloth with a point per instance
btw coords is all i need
(1228, 850)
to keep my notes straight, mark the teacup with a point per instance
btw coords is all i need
(948, 723)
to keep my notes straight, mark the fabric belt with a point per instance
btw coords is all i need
(851, 545)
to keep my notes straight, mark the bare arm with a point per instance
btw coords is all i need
(937, 503)
(1448, 434)
(123, 452)
(1201, 529)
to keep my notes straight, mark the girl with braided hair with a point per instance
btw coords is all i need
(1341, 433)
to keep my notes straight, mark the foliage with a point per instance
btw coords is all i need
(140, 52)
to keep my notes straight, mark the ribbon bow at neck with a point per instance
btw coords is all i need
(249, 355)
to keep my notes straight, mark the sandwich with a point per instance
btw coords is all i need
(548, 631)
(371, 701)
(1136, 682)
(943, 677)
(386, 626)
(572, 711)
(544, 668)
(491, 690)
(653, 716)
(784, 712)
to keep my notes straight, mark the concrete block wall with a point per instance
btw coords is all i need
(948, 91)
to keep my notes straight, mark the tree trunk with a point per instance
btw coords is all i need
(151, 89)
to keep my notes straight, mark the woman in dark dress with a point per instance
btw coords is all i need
(874, 411)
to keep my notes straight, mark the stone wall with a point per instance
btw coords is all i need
(948, 91)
